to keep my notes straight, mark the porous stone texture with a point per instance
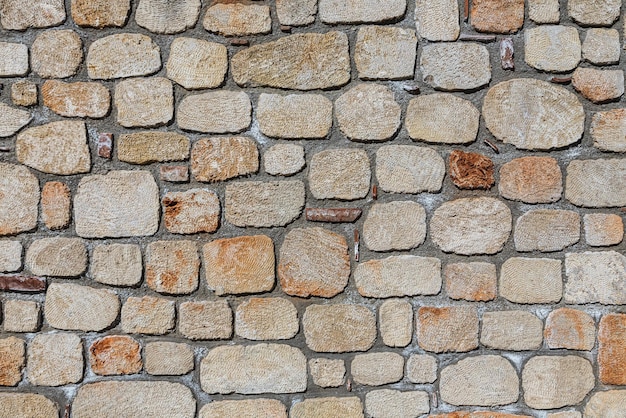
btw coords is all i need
(123, 55)
(437, 21)
(55, 205)
(24, 93)
(594, 13)
(473, 281)
(571, 329)
(147, 315)
(544, 11)
(294, 116)
(552, 48)
(10, 256)
(385, 53)
(339, 328)
(205, 320)
(606, 403)
(218, 159)
(74, 307)
(409, 169)
(449, 329)
(596, 183)
(340, 173)
(595, 277)
(81, 99)
(14, 404)
(395, 321)
(601, 46)
(266, 319)
(531, 280)
(215, 112)
(163, 16)
(152, 146)
(164, 358)
(12, 351)
(421, 368)
(327, 372)
(360, 11)
(348, 407)
(386, 403)
(191, 211)
(453, 67)
(599, 86)
(21, 316)
(485, 380)
(19, 197)
(115, 355)
(17, 15)
(284, 159)
(117, 264)
(376, 369)
(100, 13)
(611, 350)
(55, 359)
(603, 229)
(497, 16)
(172, 267)
(395, 226)
(608, 130)
(238, 19)
(144, 102)
(296, 12)
(56, 54)
(13, 59)
(555, 381)
(12, 120)
(470, 170)
(57, 256)
(546, 230)
(196, 63)
(531, 180)
(511, 330)
(249, 408)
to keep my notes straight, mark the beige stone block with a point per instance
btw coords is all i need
(218, 159)
(19, 191)
(421, 368)
(397, 225)
(594, 13)
(376, 369)
(327, 372)
(144, 102)
(56, 201)
(164, 358)
(12, 359)
(247, 408)
(571, 329)
(163, 16)
(24, 93)
(57, 256)
(409, 169)
(294, 116)
(437, 21)
(284, 159)
(123, 55)
(595, 277)
(115, 355)
(196, 63)
(544, 11)
(205, 320)
(498, 16)
(12, 120)
(330, 328)
(552, 48)
(296, 12)
(17, 15)
(511, 331)
(474, 281)
(266, 319)
(117, 264)
(218, 112)
(238, 19)
(599, 86)
(346, 407)
(14, 404)
(13, 58)
(10, 256)
(601, 46)
(546, 230)
(387, 403)
(152, 146)
(531, 180)
(606, 403)
(100, 13)
(360, 11)
(191, 211)
(172, 267)
(455, 66)
(342, 173)
(56, 53)
(449, 329)
(385, 53)
(531, 280)
(608, 130)
(148, 315)
(80, 308)
(596, 183)
(21, 315)
(55, 359)
(395, 321)
(603, 229)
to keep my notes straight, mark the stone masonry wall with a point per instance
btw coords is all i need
(312, 208)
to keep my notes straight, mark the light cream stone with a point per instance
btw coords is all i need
(394, 226)
(266, 319)
(552, 48)
(12, 351)
(332, 328)
(437, 21)
(247, 408)
(17, 15)
(12, 120)
(152, 146)
(284, 159)
(546, 230)
(296, 12)
(123, 55)
(596, 183)
(376, 369)
(473, 281)
(13, 59)
(594, 13)
(553, 116)
(595, 277)
(327, 372)
(57, 256)
(191, 211)
(238, 19)
(148, 315)
(163, 16)
(117, 264)
(544, 11)
(55, 359)
(395, 319)
(253, 369)
(409, 169)
(217, 112)
(100, 13)
(345, 407)
(264, 204)
(56, 53)
(511, 331)
(442, 118)
(55, 148)
(304, 61)
(385, 53)
(608, 130)
(205, 320)
(218, 159)
(448, 329)
(134, 398)
(555, 381)
(164, 358)
(21, 315)
(387, 403)
(421, 368)
(118, 204)
(471, 226)
(455, 66)
(397, 276)
(80, 308)
(599, 86)
(606, 403)
(531, 280)
(20, 404)
(360, 11)
(19, 198)
(603, 229)
(10, 256)
(294, 116)
(196, 63)
(81, 99)
(486, 380)
(340, 173)
(602, 46)
(144, 102)
(172, 267)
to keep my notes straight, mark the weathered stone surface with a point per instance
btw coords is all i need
(174, 173)
(79, 99)
(144, 102)
(608, 130)
(565, 414)
(216, 112)
(395, 319)
(478, 414)
(437, 21)
(100, 13)
(19, 197)
(595, 277)
(313, 262)
(266, 319)
(13, 59)
(346, 407)
(385, 53)
(27, 405)
(470, 170)
(340, 173)
(304, 61)
(205, 320)
(449, 329)
(17, 15)
(118, 204)
(611, 349)
(55, 359)
(552, 48)
(511, 330)
(10, 256)
(21, 316)
(409, 169)
(152, 146)
(531, 280)
(295, 115)
(57, 256)
(123, 55)
(239, 265)
(196, 63)
(117, 264)
(327, 372)
(56, 148)
(594, 13)
(394, 226)
(471, 226)
(602, 46)
(544, 11)
(474, 281)
(333, 215)
(248, 408)
(397, 276)
(376, 369)
(599, 86)
(339, 328)
(531, 180)
(172, 267)
(284, 159)
(606, 403)
(455, 66)
(555, 381)
(73, 307)
(296, 12)
(421, 368)
(553, 116)
(596, 183)
(164, 358)
(570, 329)
(24, 93)
(238, 19)
(191, 211)
(498, 16)
(163, 16)
(115, 355)
(22, 283)
(603, 229)
(386, 403)
(136, 398)
(148, 315)
(481, 380)
(12, 359)
(360, 11)
(546, 230)
(261, 368)
(218, 159)
(12, 120)
(56, 53)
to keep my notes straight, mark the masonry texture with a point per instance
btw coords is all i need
(312, 209)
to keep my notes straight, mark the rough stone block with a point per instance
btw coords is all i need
(79, 99)
(602, 46)
(266, 319)
(531, 280)
(294, 116)
(421, 368)
(346, 407)
(611, 349)
(284, 159)
(596, 183)
(360, 11)
(13, 59)
(57, 256)
(55, 205)
(163, 16)
(296, 12)
(215, 112)
(205, 320)
(17, 15)
(599, 86)
(498, 16)
(123, 55)
(259, 407)
(595, 277)
(191, 211)
(327, 372)
(603, 229)
(12, 359)
(474, 281)
(55, 359)
(56, 53)
(386, 403)
(608, 130)
(395, 321)
(10, 256)
(164, 358)
(218, 159)
(449, 329)
(531, 180)
(606, 403)
(385, 53)
(238, 19)
(511, 331)
(544, 11)
(570, 329)
(409, 169)
(196, 63)
(12, 120)
(19, 197)
(594, 13)
(455, 66)
(395, 226)
(152, 146)
(437, 21)
(172, 267)
(376, 369)
(80, 308)
(117, 264)
(14, 404)
(115, 355)
(24, 93)
(148, 315)
(330, 328)
(552, 48)
(21, 315)
(546, 230)
(100, 13)
(144, 102)
(342, 173)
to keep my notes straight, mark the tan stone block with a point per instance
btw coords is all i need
(449, 329)
(14, 404)
(100, 13)
(397, 225)
(330, 328)
(395, 321)
(238, 19)
(218, 159)
(172, 267)
(595, 277)
(239, 265)
(12, 120)
(55, 148)
(284, 159)
(531, 180)
(24, 93)
(217, 112)
(340, 174)
(294, 116)
(455, 66)
(56, 53)
(57, 256)
(437, 21)
(10, 256)
(606, 403)
(21, 315)
(596, 183)
(117, 264)
(531, 280)
(13, 59)
(602, 46)
(603, 229)
(421, 368)
(285, 63)
(80, 308)
(544, 11)
(196, 63)
(511, 331)
(17, 15)
(570, 329)
(296, 12)
(163, 16)
(478, 414)
(115, 355)
(360, 11)
(206, 320)
(599, 86)
(385, 53)
(346, 407)
(55, 205)
(387, 403)
(546, 230)
(266, 319)
(247, 408)
(144, 102)
(409, 169)
(123, 55)
(376, 369)
(164, 358)
(152, 146)
(313, 262)
(148, 315)
(55, 359)
(470, 170)
(19, 198)
(12, 359)
(499, 16)
(79, 99)
(327, 372)
(611, 349)
(594, 13)
(608, 130)
(474, 281)
(191, 211)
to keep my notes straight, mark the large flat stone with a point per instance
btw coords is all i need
(546, 230)
(27, 405)
(80, 99)
(247, 408)
(294, 116)
(57, 256)
(531, 280)
(18, 15)
(152, 146)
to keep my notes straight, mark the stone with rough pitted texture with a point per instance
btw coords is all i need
(345, 407)
(437, 21)
(19, 197)
(56, 54)
(21, 316)
(10, 256)
(219, 159)
(409, 169)
(24, 93)
(470, 170)
(546, 230)
(594, 12)
(164, 358)
(603, 229)
(497, 16)
(55, 359)
(294, 116)
(531, 180)
(597, 183)
(13, 59)
(449, 329)
(296, 12)
(248, 408)
(397, 225)
(100, 13)
(599, 86)
(205, 320)
(595, 277)
(360, 11)
(544, 11)
(117, 264)
(326, 372)
(19, 15)
(609, 403)
(284, 159)
(511, 330)
(191, 211)
(266, 319)
(455, 66)
(602, 46)
(172, 267)
(12, 359)
(340, 173)
(339, 328)
(421, 368)
(238, 19)
(115, 355)
(385, 53)
(608, 130)
(81, 99)
(27, 405)
(12, 120)
(144, 102)
(217, 112)
(164, 16)
(531, 280)
(552, 48)
(395, 319)
(388, 403)
(376, 369)
(196, 63)
(152, 146)
(148, 315)
(57, 256)
(80, 308)
(123, 55)
(571, 329)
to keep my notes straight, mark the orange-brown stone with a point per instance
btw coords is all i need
(469, 170)
(81, 99)
(498, 16)
(450, 329)
(191, 211)
(115, 355)
(531, 180)
(570, 329)
(172, 267)
(612, 349)
(11, 361)
(55, 205)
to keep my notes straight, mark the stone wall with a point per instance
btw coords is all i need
(312, 208)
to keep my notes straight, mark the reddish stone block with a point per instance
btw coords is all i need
(174, 173)
(469, 170)
(14, 283)
(115, 355)
(570, 329)
(612, 349)
(105, 145)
